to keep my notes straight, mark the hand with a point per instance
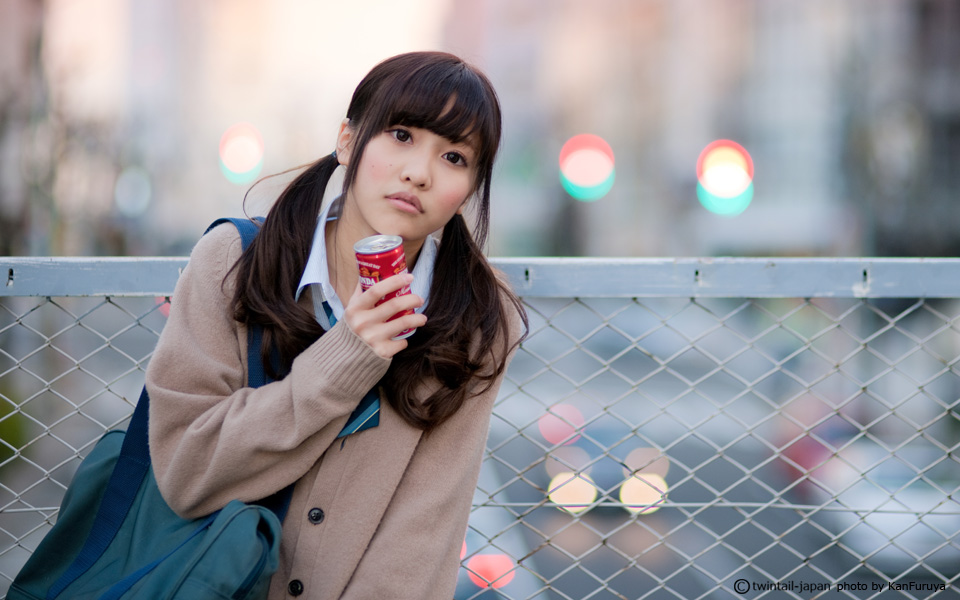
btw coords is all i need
(370, 322)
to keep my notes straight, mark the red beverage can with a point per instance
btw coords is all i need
(380, 257)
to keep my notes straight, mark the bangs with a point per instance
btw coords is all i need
(453, 104)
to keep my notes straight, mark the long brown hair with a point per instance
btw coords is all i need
(467, 324)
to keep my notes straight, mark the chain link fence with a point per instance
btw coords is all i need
(670, 429)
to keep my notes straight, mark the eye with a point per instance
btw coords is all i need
(455, 158)
(401, 135)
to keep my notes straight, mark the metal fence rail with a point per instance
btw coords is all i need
(688, 428)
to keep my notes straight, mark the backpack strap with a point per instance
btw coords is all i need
(279, 502)
(248, 228)
(134, 460)
(256, 373)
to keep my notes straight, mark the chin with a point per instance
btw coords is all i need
(395, 229)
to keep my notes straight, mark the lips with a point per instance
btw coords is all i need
(410, 199)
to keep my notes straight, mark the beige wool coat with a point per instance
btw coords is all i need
(394, 501)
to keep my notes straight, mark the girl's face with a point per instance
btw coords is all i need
(410, 182)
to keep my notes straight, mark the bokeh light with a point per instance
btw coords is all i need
(573, 492)
(646, 460)
(241, 153)
(587, 167)
(133, 192)
(561, 423)
(645, 487)
(490, 570)
(725, 178)
(565, 459)
(163, 303)
(643, 493)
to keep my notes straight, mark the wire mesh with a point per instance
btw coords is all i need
(666, 447)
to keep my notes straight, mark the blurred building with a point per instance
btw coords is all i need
(21, 90)
(130, 101)
(907, 145)
(112, 112)
(849, 110)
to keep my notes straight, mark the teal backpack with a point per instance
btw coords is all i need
(115, 537)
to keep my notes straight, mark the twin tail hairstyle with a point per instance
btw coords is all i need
(467, 324)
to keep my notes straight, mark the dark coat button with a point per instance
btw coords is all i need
(295, 587)
(315, 516)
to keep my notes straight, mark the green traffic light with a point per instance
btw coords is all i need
(588, 193)
(728, 207)
(586, 167)
(241, 177)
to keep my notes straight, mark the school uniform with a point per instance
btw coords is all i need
(380, 513)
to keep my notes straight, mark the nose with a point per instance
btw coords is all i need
(416, 170)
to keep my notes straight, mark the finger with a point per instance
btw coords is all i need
(389, 348)
(384, 334)
(395, 305)
(401, 324)
(388, 286)
(357, 291)
(383, 322)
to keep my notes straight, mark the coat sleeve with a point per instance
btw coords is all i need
(212, 439)
(415, 552)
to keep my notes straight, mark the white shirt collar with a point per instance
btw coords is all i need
(317, 275)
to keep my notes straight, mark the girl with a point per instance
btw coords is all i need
(380, 512)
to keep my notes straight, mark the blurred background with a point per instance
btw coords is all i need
(128, 125)
(648, 128)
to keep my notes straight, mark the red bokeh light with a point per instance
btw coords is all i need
(561, 423)
(164, 305)
(490, 570)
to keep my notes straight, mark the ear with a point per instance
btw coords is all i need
(344, 142)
